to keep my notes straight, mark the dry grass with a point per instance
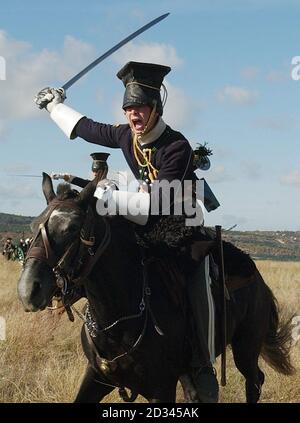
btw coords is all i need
(41, 359)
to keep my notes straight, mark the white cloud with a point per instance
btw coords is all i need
(17, 191)
(291, 178)
(163, 54)
(117, 110)
(250, 72)
(10, 48)
(218, 174)
(29, 71)
(251, 169)
(222, 152)
(237, 95)
(180, 110)
(2, 131)
(138, 14)
(16, 168)
(276, 76)
(99, 96)
(277, 123)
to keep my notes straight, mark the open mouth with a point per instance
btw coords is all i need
(137, 124)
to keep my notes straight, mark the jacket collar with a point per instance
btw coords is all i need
(154, 134)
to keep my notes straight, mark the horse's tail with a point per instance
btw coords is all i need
(278, 341)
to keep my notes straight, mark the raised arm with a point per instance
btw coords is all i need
(73, 123)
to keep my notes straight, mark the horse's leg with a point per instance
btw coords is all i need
(166, 395)
(246, 350)
(189, 391)
(91, 388)
(254, 384)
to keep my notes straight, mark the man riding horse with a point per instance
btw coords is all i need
(99, 169)
(156, 154)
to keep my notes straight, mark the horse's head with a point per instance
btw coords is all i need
(55, 229)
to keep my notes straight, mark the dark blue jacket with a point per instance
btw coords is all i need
(172, 154)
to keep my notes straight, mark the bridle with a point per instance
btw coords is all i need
(66, 281)
(64, 268)
(45, 252)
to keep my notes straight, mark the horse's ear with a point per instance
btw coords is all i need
(87, 193)
(48, 188)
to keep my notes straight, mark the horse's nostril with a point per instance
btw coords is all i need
(36, 288)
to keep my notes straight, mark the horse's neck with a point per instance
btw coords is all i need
(116, 286)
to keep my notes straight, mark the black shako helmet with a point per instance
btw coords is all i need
(99, 161)
(142, 83)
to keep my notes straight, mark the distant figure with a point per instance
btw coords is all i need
(99, 168)
(22, 245)
(8, 248)
(28, 241)
(20, 251)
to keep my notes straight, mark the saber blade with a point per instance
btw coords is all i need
(126, 40)
(27, 176)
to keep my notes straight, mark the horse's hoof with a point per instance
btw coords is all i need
(206, 384)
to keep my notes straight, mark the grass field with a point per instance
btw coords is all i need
(41, 359)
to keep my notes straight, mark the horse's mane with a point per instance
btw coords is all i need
(65, 192)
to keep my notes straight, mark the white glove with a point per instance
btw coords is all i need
(64, 176)
(134, 206)
(105, 189)
(49, 98)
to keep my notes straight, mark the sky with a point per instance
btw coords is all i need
(234, 84)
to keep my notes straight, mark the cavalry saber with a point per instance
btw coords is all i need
(27, 176)
(130, 37)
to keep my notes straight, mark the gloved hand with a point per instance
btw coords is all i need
(49, 97)
(134, 206)
(105, 189)
(64, 176)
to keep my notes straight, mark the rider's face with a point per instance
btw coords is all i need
(96, 173)
(138, 117)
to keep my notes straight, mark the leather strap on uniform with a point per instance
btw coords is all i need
(146, 153)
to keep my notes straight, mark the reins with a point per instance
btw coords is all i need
(144, 307)
(65, 277)
(45, 252)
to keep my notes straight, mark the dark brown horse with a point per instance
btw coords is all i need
(135, 334)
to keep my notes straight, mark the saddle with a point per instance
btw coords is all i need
(177, 250)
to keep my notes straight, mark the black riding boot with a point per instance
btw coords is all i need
(203, 373)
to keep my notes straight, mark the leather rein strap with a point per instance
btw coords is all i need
(44, 252)
(94, 256)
